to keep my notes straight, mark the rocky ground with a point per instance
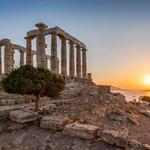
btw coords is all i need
(107, 111)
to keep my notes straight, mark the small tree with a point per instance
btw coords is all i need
(33, 81)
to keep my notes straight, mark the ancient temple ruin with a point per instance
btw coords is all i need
(77, 68)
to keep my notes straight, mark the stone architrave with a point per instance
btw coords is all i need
(71, 60)
(40, 45)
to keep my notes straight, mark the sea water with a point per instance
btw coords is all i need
(132, 94)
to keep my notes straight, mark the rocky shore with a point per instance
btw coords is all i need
(98, 122)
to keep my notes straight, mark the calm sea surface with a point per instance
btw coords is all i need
(130, 94)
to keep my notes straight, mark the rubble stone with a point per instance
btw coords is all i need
(54, 122)
(23, 116)
(136, 145)
(81, 130)
(115, 137)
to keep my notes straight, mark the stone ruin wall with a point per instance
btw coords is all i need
(78, 81)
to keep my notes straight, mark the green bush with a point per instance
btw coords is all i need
(33, 81)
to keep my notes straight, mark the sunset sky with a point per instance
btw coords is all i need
(116, 32)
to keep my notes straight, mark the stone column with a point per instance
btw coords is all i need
(8, 57)
(84, 65)
(21, 58)
(57, 65)
(71, 60)
(63, 57)
(54, 53)
(13, 60)
(0, 60)
(29, 58)
(40, 45)
(46, 62)
(78, 61)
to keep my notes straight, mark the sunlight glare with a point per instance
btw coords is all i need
(147, 80)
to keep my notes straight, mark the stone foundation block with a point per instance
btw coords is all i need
(81, 130)
(115, 137)
(23, 116)
(7, 102)
(54, 122)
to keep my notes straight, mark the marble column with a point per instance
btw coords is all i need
(0, 60)
(71, 60)
(29, 58)
(84, 65)
(46, 62)
(63, 57)
(54, 53)
(78, 61)
(21, 58)
(40, 45)
(57, 65)
(13, 60)
(8, 57)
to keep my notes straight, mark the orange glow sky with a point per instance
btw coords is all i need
(117, 33)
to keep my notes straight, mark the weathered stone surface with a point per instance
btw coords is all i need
(136, 145)
(81, 130)
(145, 113)
(112, 98)
(23, 116)
(54, 122)
(7, 102)
(119, 138)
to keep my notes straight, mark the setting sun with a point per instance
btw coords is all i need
(147, 80)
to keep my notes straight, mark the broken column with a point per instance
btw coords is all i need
(40, 45)
(54, 53)
(71, 60)
(78, 61)
(63, 57)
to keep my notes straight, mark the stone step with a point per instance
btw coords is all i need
(5, 110)
(6, 102)
(12, 99)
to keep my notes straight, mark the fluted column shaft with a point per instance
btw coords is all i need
(29, 58)
(0, 60)
(21, 58)
(8, 57)
(46, 63)
(40, 46)
(78, 61)
(63, 57)
(71, 60)
(54, 53)
(13, 60)
(84, 65)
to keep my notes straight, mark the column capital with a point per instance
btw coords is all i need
(83, 49)
(70, 42)
(41, 25)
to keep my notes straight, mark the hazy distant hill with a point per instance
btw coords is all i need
(115, 88)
